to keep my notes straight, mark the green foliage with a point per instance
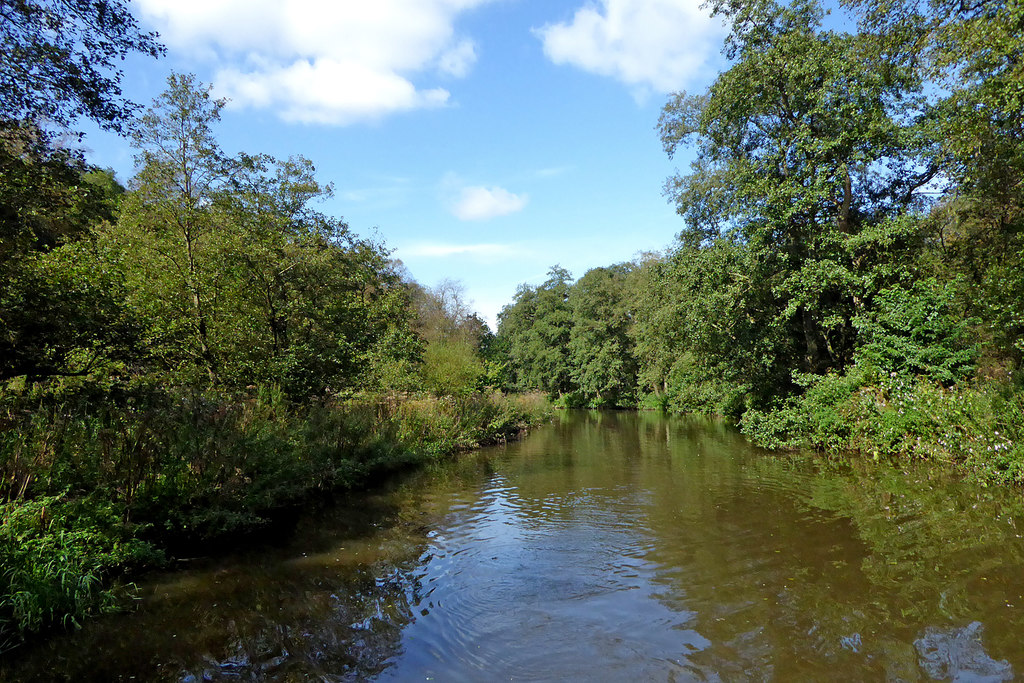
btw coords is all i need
(573, 340)
(800, 147)
(57, 557)
(97, 482)
(818, 418)
(54, 310)
(692, 327)
(235, 279)
(604, 368)
(457, 342)
(1004, 302)
(977, 427)
(917, 331)
(451, 367)
(60, 59)
(535, 329)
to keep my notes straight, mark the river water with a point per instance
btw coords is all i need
(605, 546)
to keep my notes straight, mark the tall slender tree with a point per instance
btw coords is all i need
(173, 211)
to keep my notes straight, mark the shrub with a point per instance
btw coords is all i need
(978, 427)
(917, 332)
(96, 482)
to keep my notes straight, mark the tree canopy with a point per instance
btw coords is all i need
(61, 59)
(852, 212)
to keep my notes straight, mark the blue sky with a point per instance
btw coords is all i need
(483, 140)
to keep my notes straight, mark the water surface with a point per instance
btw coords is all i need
(607, 546)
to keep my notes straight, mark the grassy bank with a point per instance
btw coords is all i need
(978, 426)
(99, 484)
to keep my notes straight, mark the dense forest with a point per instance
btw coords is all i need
(194, 354)
(850, 274)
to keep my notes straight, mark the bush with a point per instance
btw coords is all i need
(978, 427)
(97, 482)
(57, 556)
(917, 332)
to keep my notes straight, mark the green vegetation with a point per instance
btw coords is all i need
(183, 357)
(101, 483)
(192, 355)
(850, 271)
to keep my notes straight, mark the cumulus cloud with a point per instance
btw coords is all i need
(651, 45)
(480, 203)
(322, 61)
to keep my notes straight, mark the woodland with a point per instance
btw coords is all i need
(850, 274)
(189, 356)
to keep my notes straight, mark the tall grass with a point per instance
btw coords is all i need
(96, 483)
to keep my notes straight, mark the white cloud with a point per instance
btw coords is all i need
(430, 250)
(458, 60)
(651, 45)
(480, 203)
(322, 61)
(327, 91)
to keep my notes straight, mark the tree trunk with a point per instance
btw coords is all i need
(811, 341)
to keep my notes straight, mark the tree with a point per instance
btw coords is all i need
(969, 134)
(604, 367)
(60, 56)
(801, 143)
(58, 64)
(535, 329)
(698, 347)
(55, 313)
(455, 339)
(976, 135)
(172, 216)
(241, 279)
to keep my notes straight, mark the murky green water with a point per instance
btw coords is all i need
(604, 547)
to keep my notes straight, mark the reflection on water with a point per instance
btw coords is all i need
(954, 653)
(606, 546)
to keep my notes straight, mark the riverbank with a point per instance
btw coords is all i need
(100, 485)
(636, 543)
(975, 425)
(978, 426)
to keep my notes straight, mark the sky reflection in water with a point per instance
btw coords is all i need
(603, 547)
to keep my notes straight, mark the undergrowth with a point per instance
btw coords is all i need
(977, 426)
(96, 483)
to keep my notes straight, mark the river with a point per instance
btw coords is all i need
(605, 546)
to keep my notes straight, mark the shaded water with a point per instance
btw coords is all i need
(604, 547)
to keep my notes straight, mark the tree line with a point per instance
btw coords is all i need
(209, 270)
(851, 268)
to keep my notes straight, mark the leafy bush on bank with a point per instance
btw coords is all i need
(98, 483)
(979, 426)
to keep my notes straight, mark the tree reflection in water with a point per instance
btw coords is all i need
(608, 544)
